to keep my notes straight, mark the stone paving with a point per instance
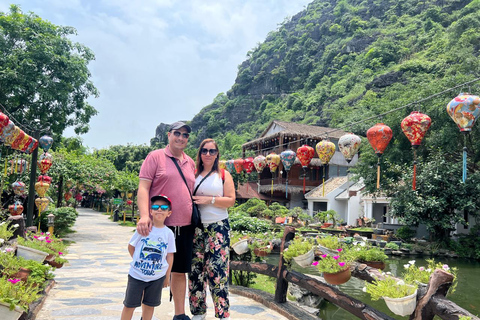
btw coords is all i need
(92, 285)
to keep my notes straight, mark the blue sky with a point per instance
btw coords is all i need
(160, 60)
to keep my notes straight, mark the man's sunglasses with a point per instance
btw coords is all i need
(163, 207)
(213, 152)
(178, 133)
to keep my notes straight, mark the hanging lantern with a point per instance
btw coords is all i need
(15, 209)
(19, 138)
(349, 145)
(230, 166)
(68, 195)
(238, 164)
(20, 164)
(18, 188)
(129, 202)
(464, 110)
(379, 136)
(23, 145)
(45, 142)
(129, 195)
(44, 178)
(414, 126)
(78, 197)
(12, 136)
(3, 121)
(325, 150)
(272, 160)
(248, 165)
(41, 188)
(32, 146)
(42, 204)
(305, 154)
(222, 164)
(44, 162)
(288, 159)
(260, 163)
(7, 131)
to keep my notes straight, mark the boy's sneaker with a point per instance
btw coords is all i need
(199, 317)
(181, 317)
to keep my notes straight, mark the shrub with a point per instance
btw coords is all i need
(405, 233)
(367, 253)
(392, 246)
(242, 222)
(64, 219)
(297, 246)
(330, 242)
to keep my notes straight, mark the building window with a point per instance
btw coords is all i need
(385, 212)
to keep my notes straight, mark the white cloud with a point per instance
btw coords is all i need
(160, 60)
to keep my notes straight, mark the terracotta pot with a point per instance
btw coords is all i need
(375, 264)
(260, 252)
(337, 278)
(50, 257)
(55, 264)
(22, 274)
(327, 225)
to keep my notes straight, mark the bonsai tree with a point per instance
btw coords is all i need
(295, 213)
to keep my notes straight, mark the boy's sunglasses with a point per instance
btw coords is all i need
(213, 152)
(178, 134)
(163, 207)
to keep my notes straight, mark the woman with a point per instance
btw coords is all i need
(210, 265)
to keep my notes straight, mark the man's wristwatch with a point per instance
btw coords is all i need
(213, 200)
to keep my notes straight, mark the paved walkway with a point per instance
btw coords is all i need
(92, 285)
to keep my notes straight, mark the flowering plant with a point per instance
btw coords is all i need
(367, 253)
(6, 231)
(16, 293)
(414, 274)
(297, 246)
(333, 263)
(389, 287)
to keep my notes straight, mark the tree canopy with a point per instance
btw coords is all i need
(44, 74)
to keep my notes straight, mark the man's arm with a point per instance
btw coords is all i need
(144, 225)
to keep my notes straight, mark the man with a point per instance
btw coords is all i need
(159, 175)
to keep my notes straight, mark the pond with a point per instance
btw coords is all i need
(467, 294)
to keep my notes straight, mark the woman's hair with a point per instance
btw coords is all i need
(199, 162)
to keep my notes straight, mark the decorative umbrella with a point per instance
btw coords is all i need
(273, 160)
(45, 142)
(230, 166)
(305, 155)
(44, 162)
(238, 164)
(414, 126)
(464, 110)
(325, 150)
(379, 136)
(288, 159)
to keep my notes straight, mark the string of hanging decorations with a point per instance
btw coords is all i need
(463, 109)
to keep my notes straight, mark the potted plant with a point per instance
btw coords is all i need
(6, 231)
(400, 297)
(15, 297)
(239, 243)
(32, 249)
(335, 267)
(301, 251)
(372, 257)
(392, 246)
(421, 275)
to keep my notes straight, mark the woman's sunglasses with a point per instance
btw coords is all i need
(163, 207)
(212, 152)
(178, 133)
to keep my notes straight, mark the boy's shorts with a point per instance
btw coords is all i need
(182, 259)
(151, 292)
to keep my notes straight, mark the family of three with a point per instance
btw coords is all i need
(167, 248)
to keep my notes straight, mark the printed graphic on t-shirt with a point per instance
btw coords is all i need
(151, 256)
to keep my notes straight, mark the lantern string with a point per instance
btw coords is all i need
(378, 173)
(414, 182)
(464, 175)
(323, 181)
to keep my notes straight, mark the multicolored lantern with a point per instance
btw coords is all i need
(45, 142)
(3, 121)
(414, 126)
(349, 145)
(19, 138)
(42, 188)
(222, 164)
(19, 188)
(238, 164)
(379, 136)
(67, 196)
(325, 150)
(78, 197)
(15, 209)
(42, 204)
(32, 146)
(23, 145)
(248, 165)
(260, 163)
(288, 159)
(305, 155)
(230, 165)
(464, 110)
(45, 178)
(12, 136)
(273, 160)
(44, 162)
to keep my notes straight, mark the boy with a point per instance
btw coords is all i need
(152, 262)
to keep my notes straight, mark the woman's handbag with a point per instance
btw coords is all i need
(196, 218)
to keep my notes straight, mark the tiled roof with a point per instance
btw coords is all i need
(251, 192)
(330, 185)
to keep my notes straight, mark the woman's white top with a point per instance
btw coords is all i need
(213, 187)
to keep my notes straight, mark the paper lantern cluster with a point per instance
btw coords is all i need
(16, 138)
(43, 183)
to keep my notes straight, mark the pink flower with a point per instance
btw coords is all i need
(339, 249)
(60, 252)
(336, 257)
(14, 280)
(341, 264)
(315, 263)
(421, 268)
(446, 267)
(48, 241)
(324, 255)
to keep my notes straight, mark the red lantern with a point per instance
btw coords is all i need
(379, 136)
(248, 165)
(238, 163)
(129, 202)
(305, 155)
(44, 178)
(414, 127)
(78, 197)
(67, 196)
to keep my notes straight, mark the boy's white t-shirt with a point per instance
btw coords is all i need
(150, 257)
